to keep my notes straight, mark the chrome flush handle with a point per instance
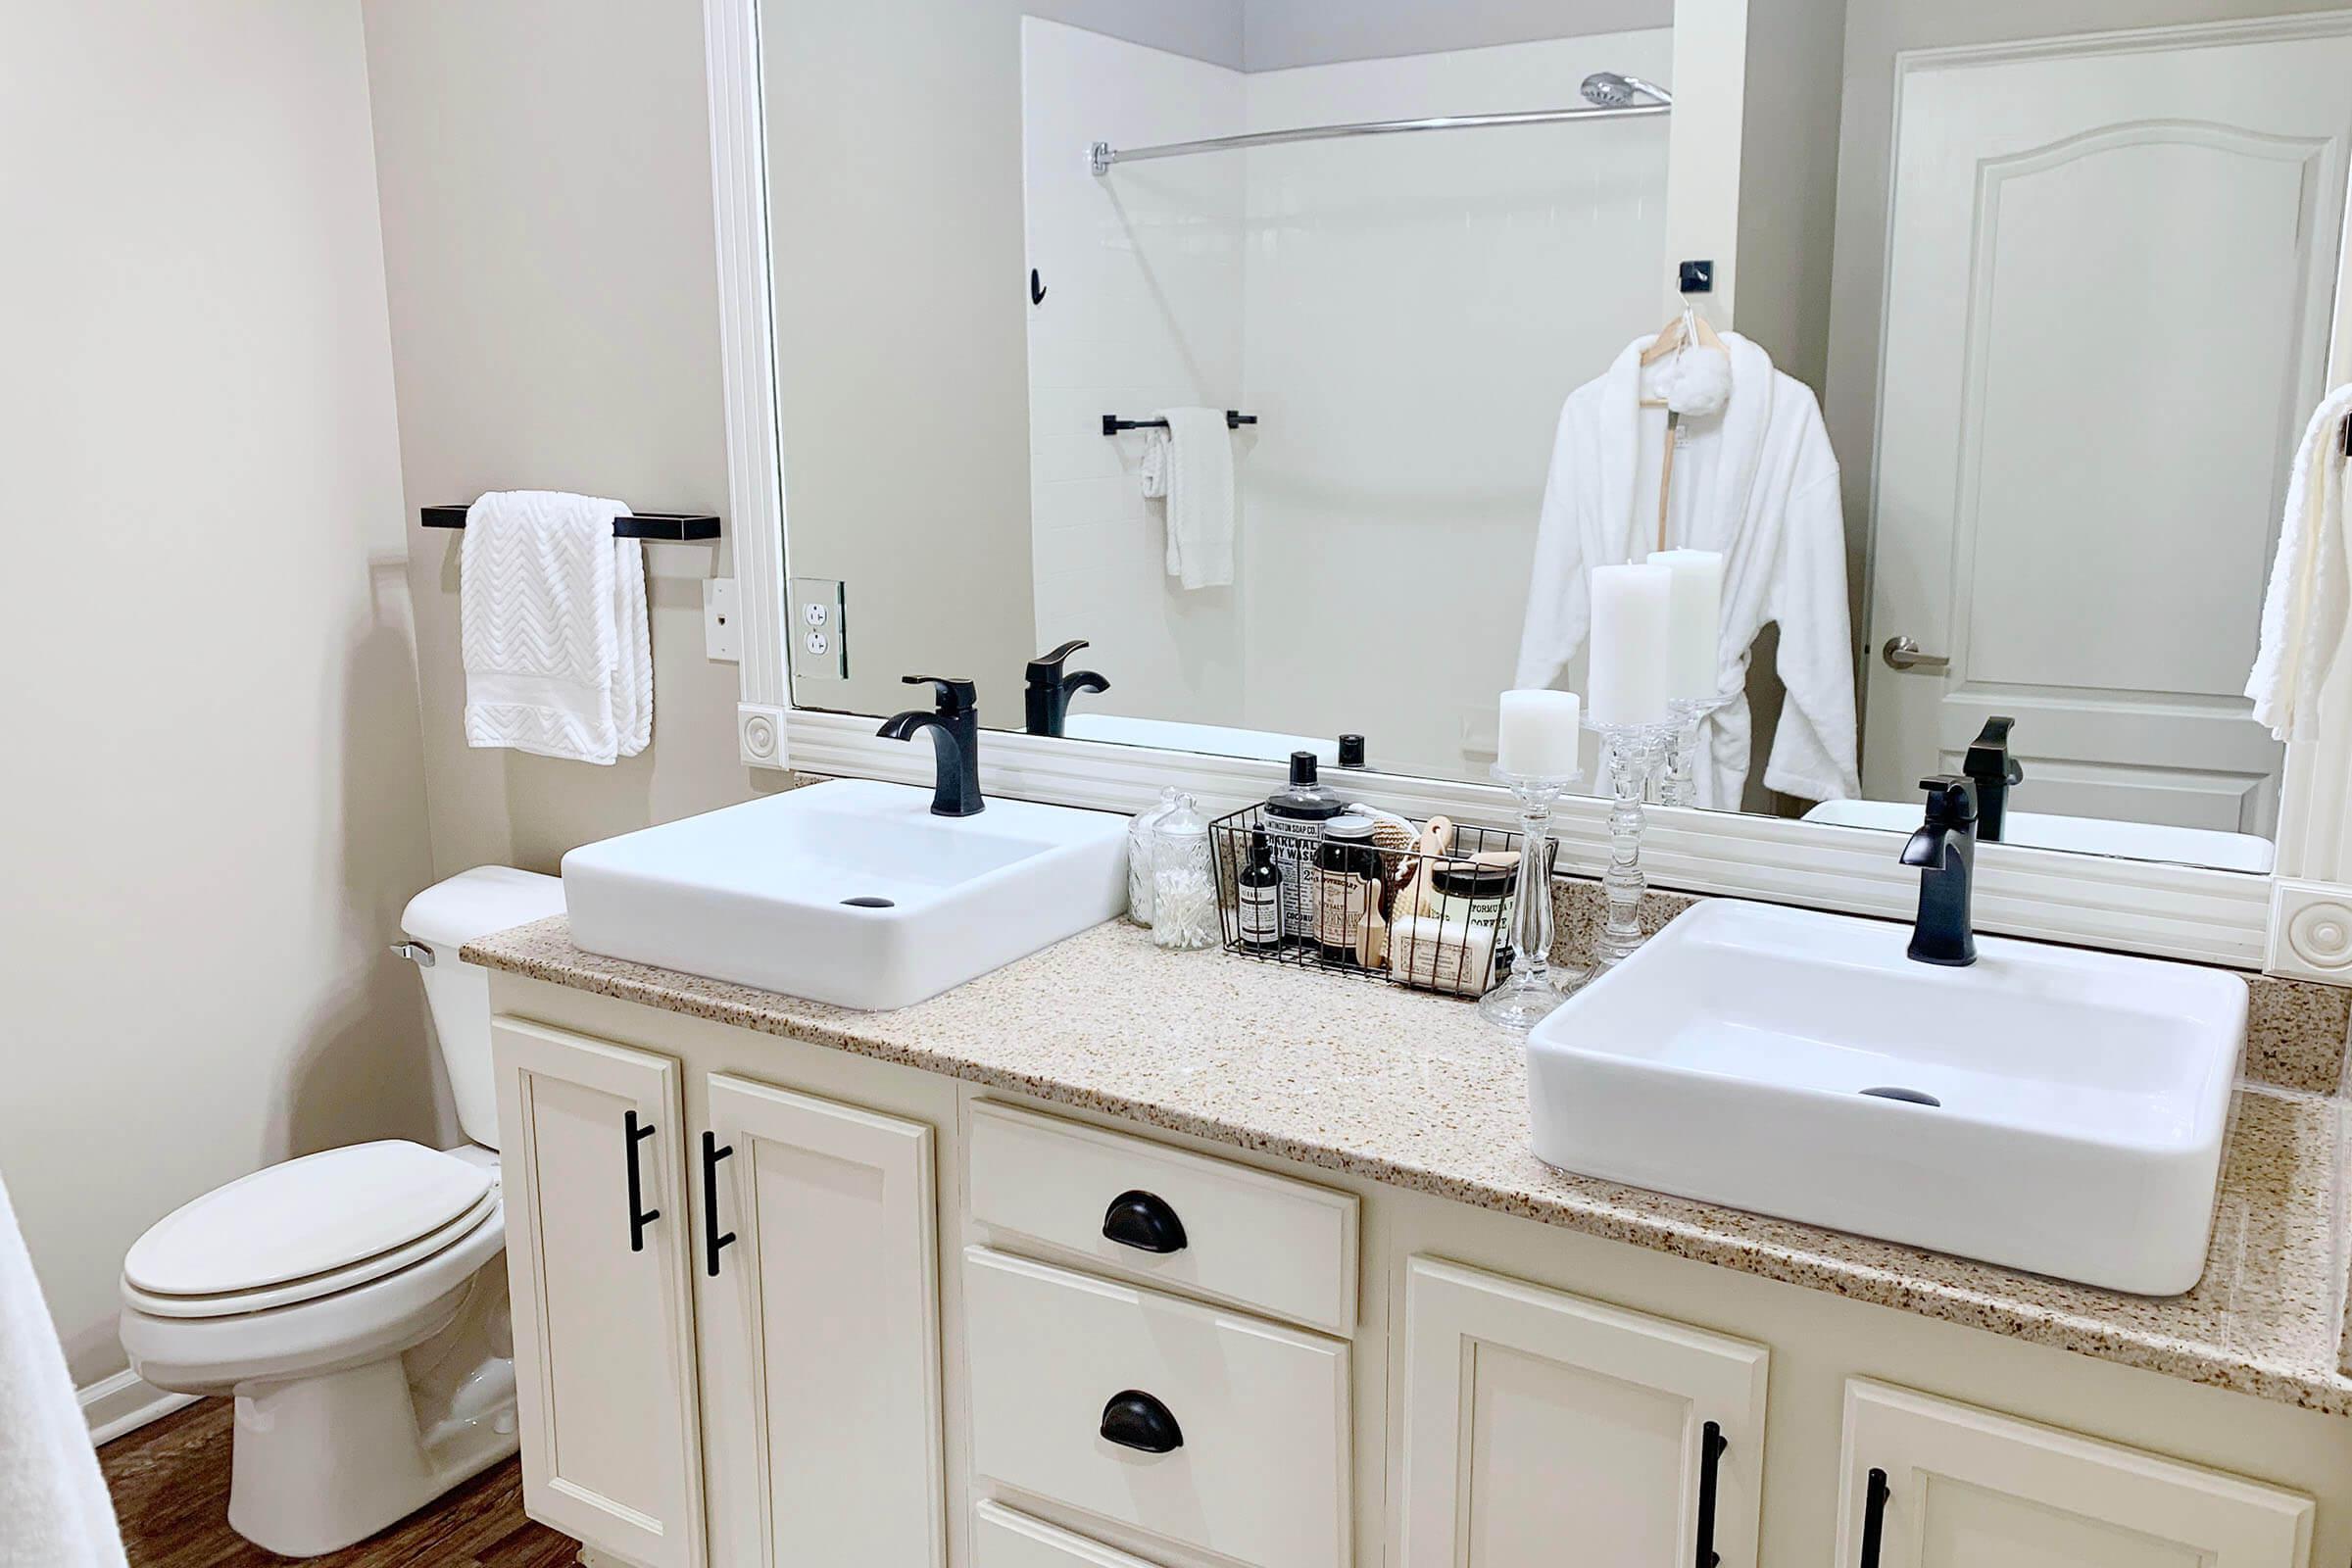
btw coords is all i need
(1901, 653)
(417, 953)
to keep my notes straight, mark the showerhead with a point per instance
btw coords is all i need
(1608, 89)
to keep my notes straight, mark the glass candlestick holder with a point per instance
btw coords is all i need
(1535, 986)
(1677, 784)
(1630, 752)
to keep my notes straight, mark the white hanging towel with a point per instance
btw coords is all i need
(2303, 614)
(54, 1510)
(559, 655)
(1757, 481)
(1200, 496)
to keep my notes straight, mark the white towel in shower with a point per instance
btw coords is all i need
(54, 1511)
(559, 655)
(2303, 614)
(1200, 497)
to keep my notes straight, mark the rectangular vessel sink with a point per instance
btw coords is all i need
(2047, 1109)
(848, 891)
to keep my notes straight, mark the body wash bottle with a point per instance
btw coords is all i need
(1295, 819)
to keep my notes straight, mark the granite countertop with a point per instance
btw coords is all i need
(1412, 1090)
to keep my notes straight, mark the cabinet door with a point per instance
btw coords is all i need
(597, 1257)
(834, 1328)
(1538, 1423)
(1930, 1483)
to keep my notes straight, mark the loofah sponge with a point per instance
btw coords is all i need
(1696, 381)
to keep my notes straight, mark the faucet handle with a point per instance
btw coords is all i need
(1048, 666)
(1951, 800)
(1989, 760)
(954, 696)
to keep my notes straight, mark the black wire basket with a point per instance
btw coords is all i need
(1439, 923)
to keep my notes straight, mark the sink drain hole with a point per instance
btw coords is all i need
(1909, 1097)
(871, 903)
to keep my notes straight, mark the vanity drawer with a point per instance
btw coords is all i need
(1258, 1414)
(1267, 1243)
(1003, 1539)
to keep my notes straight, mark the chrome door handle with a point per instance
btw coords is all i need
(1901, 653)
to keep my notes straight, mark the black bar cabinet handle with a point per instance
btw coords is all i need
(1133, 1419)
(1144, 1221)
(712, 1242)
(1711, 1443)
(1874, 1518)
(640, 1216)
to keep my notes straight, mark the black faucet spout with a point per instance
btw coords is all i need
(1944, 849)
(954, 727)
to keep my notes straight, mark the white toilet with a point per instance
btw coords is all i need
(354, 1301)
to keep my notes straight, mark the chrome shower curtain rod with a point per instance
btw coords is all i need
(1102, 154)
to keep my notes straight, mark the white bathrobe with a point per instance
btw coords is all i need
(1759, 483)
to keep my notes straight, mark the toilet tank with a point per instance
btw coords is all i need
(442, 918)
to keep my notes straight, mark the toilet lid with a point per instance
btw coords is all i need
(309, 1216)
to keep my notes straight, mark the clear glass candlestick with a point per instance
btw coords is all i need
(1630, 752)
(1535, 987)
(1679, 784)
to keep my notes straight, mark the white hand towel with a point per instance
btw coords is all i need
(1200, 497)
(54, 1510)
(1153, 471)
(559, 655)
(2304, 611)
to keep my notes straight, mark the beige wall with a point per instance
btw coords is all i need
(214, 800)
(546, 178)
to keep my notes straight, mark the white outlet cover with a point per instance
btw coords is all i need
(723, 626)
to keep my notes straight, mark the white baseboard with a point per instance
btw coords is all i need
(126, 1402)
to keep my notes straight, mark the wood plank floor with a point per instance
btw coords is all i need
(170, 1486)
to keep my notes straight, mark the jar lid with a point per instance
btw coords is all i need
(1182, 820)
(1349, 826)
(1470, 879)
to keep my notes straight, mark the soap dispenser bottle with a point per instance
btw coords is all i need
(1295, 815)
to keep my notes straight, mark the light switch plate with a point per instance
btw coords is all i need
(722, 628)
(818, 631)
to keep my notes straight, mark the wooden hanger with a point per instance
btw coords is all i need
(1682, 331)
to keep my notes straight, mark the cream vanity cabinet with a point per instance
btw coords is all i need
(757, 1284)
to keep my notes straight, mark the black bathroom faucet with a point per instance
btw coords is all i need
(1049, 695)
(1989, 766)
(1946, 851)
(954, 726)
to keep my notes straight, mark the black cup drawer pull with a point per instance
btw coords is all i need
(1133, 1419)
(640, 1216)
(1144, 1221)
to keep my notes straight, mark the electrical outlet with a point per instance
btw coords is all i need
(722, 629)
(820, 629)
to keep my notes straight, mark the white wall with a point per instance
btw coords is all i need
(1416, 309)
(214, 800)
(1143, 310)
(546, 175)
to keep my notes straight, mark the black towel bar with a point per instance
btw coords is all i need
(668, 528)
(1112, 424)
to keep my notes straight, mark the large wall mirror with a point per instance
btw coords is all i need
(2027, 324)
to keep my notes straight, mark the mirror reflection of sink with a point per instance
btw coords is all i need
(1214, 740)
(2047, 1108)
(848, 891)
(2084, 835)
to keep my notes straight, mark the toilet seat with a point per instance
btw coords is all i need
(307, 1228)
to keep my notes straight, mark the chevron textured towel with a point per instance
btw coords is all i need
(559, 655)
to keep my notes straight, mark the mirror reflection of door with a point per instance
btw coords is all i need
(2107, 309)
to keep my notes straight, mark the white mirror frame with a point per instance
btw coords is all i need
(2296, 923)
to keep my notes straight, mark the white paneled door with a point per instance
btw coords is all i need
(1543, 1428)
(825, 1326)
(596, 1233)
(2108, 271)
(1929, 1484)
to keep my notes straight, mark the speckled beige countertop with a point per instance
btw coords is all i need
(1414, 1091)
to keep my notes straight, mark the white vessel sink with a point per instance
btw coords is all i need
(848, 891)
(1754, 1057)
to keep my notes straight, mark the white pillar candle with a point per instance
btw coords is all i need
(1694, 615)
(1538, 735)
(1629, 614)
